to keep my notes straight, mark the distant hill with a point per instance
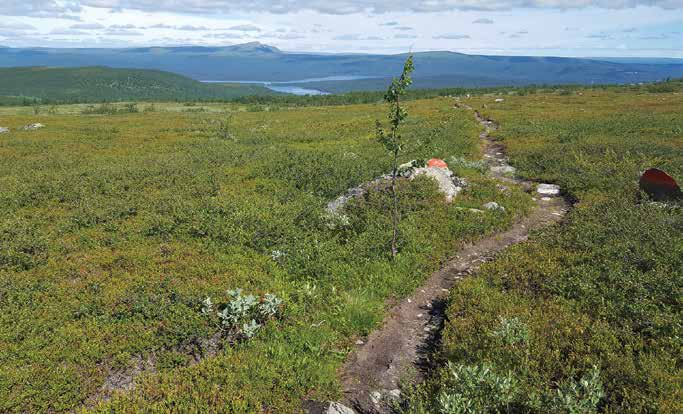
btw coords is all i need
(96, 84)
(259, 62)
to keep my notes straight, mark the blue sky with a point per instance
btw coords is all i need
(650, 28)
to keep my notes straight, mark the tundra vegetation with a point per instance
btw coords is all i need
(586, 317)
(116, 226)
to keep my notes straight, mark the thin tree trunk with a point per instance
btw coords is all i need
(394, 197)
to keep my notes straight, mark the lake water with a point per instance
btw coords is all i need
(290, 86)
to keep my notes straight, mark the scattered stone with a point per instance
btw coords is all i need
(337, 408)
(4, 130)
(32, 127)
(394, 394)
(548, 189)
(492, 205)
(376, 397)
(503, 169)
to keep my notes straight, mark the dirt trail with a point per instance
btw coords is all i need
(401, 347)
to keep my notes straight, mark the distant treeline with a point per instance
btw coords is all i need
(364, 97)
(360, 97)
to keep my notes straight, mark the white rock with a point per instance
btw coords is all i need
(548, 189)
(499, 100)
(31, 127)
(492, 205)
(376, 397)
(337, 408)
(503, 169)
(4, 130)
(444, 178)
(359, 342)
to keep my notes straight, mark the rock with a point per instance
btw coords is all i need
(376, 397)
(503, 169)
(359, 342)
(659, 185)
(394, 394)
(499, 100)
(4, 130)
(492, 205)
(450, 186)
(337, 408)
(548, 189)
(32, 127)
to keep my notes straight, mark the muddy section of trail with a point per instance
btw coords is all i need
(400, 348)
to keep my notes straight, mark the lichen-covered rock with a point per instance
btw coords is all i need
(492, 205)
(548, 189)
(449, 185)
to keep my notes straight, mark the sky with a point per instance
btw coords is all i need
(590, 28)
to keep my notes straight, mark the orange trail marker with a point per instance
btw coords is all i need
(437, 163)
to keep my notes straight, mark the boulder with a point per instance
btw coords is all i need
(4, 130)
(499, 100)
(548, 189)
(449, 185)
(659, 185)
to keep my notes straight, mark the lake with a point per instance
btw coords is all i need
(289, 86)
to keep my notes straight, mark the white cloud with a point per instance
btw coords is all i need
(15, 26)
(245, 28)
(51, 8)
(87, 26)
(67, 32)
(452, 36)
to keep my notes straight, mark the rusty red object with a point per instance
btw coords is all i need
(437, 163)
(659, 185)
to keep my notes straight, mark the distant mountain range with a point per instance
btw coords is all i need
(259, 62)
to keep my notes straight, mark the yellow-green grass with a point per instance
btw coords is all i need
(114, 228)
(604, 290)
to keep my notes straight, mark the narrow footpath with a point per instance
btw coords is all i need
(400, 348)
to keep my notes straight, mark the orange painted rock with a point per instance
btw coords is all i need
(437, 163)
(659, 185)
